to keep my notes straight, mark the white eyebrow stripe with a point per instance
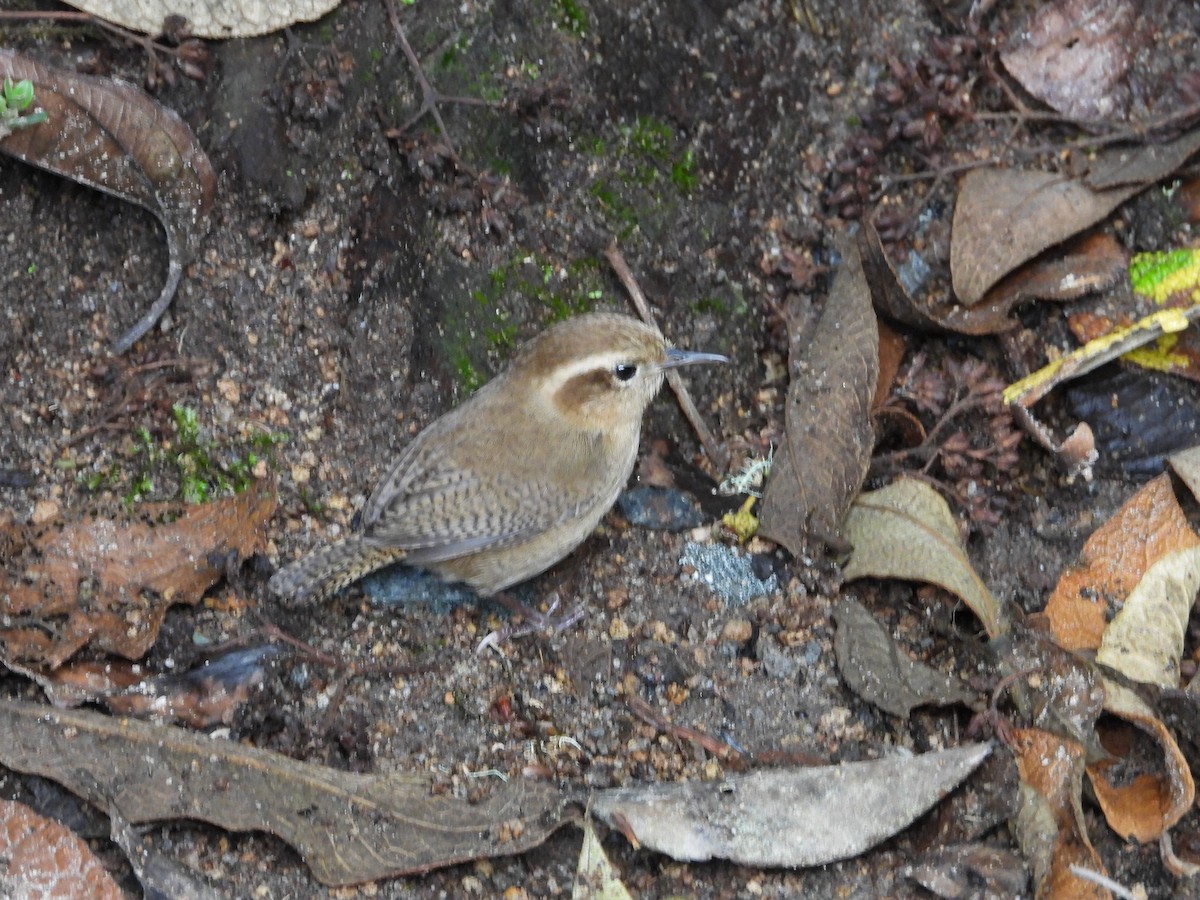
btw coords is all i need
(603, 361)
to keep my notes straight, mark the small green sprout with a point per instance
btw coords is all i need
(16, 97)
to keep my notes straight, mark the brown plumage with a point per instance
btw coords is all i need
(509, 483)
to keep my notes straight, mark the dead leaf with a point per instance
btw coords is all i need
(350, 828)
(1055, 690)
(833, 366)
(113, 137)
(209, 693)
(45, 859)
(1144, 641)
(208, 18)
(1141, 804)
(804, 817)
(1114, 560)
(109, 582)
(1186, 464)
(595, 876)
(1006, 217)
(932, 312)
(970, 871)
(906, 531)
(1074, 55)
(1049, 826)
(875, 668)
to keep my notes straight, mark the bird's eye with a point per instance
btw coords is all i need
(624, 371)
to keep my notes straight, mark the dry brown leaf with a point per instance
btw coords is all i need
(113, 137)
(42, 858)
(209, 18)
(905, 530)
(209, 693)
(930, 313)
(834, 367)
(1141, 804)
(349, 827)
(1075, 54)
(109, 582)
(1005, 217)
(1113, 561)
(878, 671)
(1049, 826)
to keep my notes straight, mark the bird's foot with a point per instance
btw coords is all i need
(532, 621)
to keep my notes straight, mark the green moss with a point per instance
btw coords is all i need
(202, 469)
(573, 17)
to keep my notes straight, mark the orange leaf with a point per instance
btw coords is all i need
(1149, 526)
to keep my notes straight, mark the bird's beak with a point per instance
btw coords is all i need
(676, 358)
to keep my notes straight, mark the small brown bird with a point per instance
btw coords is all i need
(503, 487)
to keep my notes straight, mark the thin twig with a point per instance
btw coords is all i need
(716, 453)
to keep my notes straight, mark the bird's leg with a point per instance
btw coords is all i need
(533, 620)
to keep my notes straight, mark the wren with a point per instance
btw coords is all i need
(507, 484)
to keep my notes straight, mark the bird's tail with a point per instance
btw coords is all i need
(324, 572)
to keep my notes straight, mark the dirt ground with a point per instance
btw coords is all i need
(354, 286)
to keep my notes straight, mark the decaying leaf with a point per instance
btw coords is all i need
(1150, 527)
(349, 827)
(1065, 694)
(1078, 268)
(209, 693)
(1075, 54)
(1005, 217)
(906, 530)
(1049, 826)
(43, 858)
(833, 367)
(972, 870)
(1140, 800)
(111, 136)
(595, 877)
(208, 18)
(108, 582)
(1144, 641)
(876, 669)
(1186, 464)
(804, 817)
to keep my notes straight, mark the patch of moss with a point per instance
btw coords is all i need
(573, 17)
(201, 468)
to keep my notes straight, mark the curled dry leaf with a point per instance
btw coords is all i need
(1149, 529)
(802, 817)
(1141, 804)
(113, 137)
(43, 858)
(1083, 266)
(349, 827)
(1005, 217)
(209, 693)
(208, 18)
(109, 582)
(1049, 826)
(834, 367)
(905, 530)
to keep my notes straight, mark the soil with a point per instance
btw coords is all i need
(354, 285)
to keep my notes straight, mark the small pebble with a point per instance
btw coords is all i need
(737, 631)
